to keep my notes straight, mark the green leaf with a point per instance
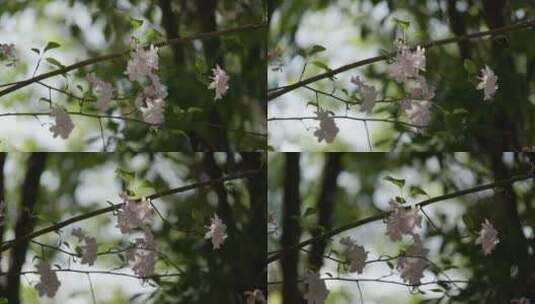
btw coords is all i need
(3, 301)
(38, 53)
(470, 66)
(55, 62)
(135, 23)
(321, 65)
(403, 24)
(141, 188)
(310, 211)
(398, 182)
(152, 34)
(125, 175)
(51, 45)
(316, 49)
(415, 191)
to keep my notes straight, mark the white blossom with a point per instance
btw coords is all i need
(419, 89)
(7, 53)
(522, 300)
(63, 125)
(144, 254)
(402, 221)
(316, 290)
(367, 93)
(419, 113)
(153, 112)
(89, 251)
(254, 297)
(355, 255)
(328, 129)
(488, 82)
(103, 89)
(216, 232)
(49, 282)
(413, 263)
(151, 102)
(220, 82)
(488, 237)
(142, 63)
(134, 214)
(407, 64)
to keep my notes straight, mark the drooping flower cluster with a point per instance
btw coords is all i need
(488, 82)
(63, 125)
(406, 69)
(143, 65)
(355, 255)
(328, 129)
(368, 94)
(488, 237)
(220, 82)
(103, 89)
(49, 283)
(216, 232)
(89, 250)
(132, 216)
(413, 263)
(7, 53)
(143, 255)
(316, 289)
(402, 221)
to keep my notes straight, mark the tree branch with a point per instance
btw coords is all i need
(501, 30)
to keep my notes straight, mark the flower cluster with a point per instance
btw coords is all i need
(103, 89)
(355, 255)
(63, 125)
(150, 102)
(368, 94)
(134, 214)
(49, 283)
(7, 53)
(316, 290)
(414, 262)
(488, 237)
(328, 129)
(406, 70)
(488, 82)
(89, 250)
(402, 221)
(219, 83)
(143, 255)
(216, 232)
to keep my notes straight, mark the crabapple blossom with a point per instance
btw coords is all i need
(488, 82)
(355, 254)
(419, 113)
(368, 94)
(79, 233)
(49, 282)
(413, 263)
(402, 221)
(328, 129)
(153, 112)
(419, 89)
(316, 289)
(134, 214)
(63, 126)
(216, 232)
(142, 63)
(219, 83)
(255, 296)
(407, 64)
(89, 251)
(103, 89)
(144, 254)
(488, 237)
(7, 53)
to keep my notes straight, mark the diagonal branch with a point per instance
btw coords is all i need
(382, 215)
(478, 35)
(9, 244)
(209, 35)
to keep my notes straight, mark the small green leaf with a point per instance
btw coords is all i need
(415, 191)
(469, 66)
(135, 23)
(316, 49)
(125, 175)
(55, 62)
(38, 53)
(321, 65)
(152, 34)
(51, 45)
(403, 24)
(310, 211)
(398, 182)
